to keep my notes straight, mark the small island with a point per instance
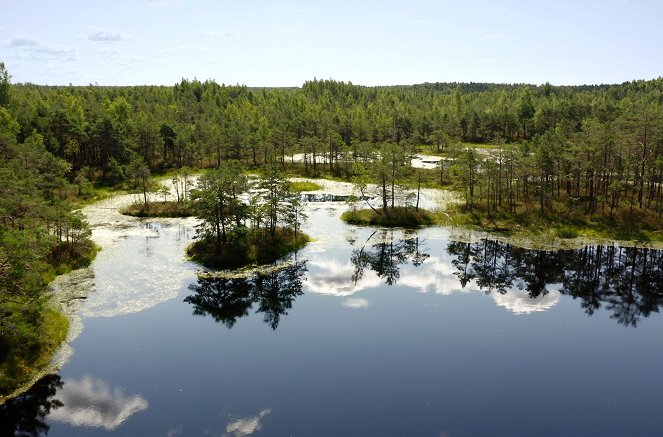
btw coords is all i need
(398, 216)
(245, 246)
(387, 167)
(245, 221)
(163, 208)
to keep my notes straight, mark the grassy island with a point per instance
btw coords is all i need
(245, 246)
(399, 216)
(300, 186)
(624, 224)
(159, 209)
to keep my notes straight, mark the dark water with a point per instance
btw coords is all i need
(371, 332)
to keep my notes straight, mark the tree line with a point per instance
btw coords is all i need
(587, 148)
(40, 236)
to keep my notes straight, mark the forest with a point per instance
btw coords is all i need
(560, 152)
(510, 148)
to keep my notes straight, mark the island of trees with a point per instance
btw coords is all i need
(578, 159)
(240, 225)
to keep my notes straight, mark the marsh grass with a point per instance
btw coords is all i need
(159, 209)
(405, 217)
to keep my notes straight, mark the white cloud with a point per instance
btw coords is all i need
(23, 42)
(335, 278)
(229, 33)
(107, 36)
(355, 302)
(519, 301)
(36, 52)
(247, 425)
(331, 277)
(91, 402)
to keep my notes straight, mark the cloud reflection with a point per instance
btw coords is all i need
(520, 302)
(91, 402)
(435, 274)
(247, 425)
(355, 302)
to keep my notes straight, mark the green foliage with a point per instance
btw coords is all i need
(39, 237)
(246, 246)
(4, 85)
(405, 217)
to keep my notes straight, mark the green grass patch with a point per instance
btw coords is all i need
(33, 354)
(305, 186)
(623, 224)
(245, 247)
(159, 209)
(405, 217)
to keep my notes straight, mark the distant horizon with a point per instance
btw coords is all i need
(337, 80)
(265, 44)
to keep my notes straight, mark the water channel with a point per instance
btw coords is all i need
(363, 332)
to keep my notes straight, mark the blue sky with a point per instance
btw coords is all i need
(284, 43)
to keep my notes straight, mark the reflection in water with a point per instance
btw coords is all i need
(247, 425)
(355, 302)
(625, 280)
(228, 299)
(25, 414)
(520, 302)
(140, 266)
(91, 402)
(386, 256)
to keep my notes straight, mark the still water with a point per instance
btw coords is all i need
(363, 332)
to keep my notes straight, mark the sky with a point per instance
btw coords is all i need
(287, 42)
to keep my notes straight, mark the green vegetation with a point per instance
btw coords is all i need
(236, 232)
(396, 217)
(244, 246)
(159, 209)
(508, 147)
(620, 226)
(304, 186)
(572, 160)
(40, 237)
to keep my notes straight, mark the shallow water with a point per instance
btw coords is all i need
(365, 332)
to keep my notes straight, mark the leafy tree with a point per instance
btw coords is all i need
(218, 200)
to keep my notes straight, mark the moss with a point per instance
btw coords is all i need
(159, 209)
(305, 186)
(247, 246)
(405, 217)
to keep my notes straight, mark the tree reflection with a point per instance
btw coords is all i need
(627, 281)
(229, 299)
(384, 258)
(25, 414)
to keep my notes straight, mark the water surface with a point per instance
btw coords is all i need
(364, 332)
